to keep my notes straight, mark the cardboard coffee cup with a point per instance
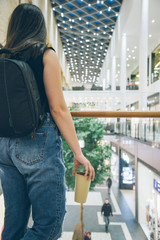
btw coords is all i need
(82, 185)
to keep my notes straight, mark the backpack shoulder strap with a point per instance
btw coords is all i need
(5, 50)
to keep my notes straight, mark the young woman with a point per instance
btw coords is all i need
(32, 170)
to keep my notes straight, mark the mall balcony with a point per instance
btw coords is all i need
(109, 53)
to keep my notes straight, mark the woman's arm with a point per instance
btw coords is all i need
(60, 112)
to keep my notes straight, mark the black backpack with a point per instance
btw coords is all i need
(21, 111)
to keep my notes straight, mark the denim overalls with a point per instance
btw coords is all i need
(32, 176)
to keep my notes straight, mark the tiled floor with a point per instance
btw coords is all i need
(122, 226)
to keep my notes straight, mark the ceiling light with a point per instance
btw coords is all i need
(87, 22)
(62, 15)
(100, 12)
(80, 18)
(150, 35)
(109, 9)
(60, 6)
(153, 21)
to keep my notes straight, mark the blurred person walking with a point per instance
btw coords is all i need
(87, 235)
(106, 210)
(32, 170)
(109, 184)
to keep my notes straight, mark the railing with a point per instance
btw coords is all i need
(143, 126)
(108, 114)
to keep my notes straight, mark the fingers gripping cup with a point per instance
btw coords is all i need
(82, 185)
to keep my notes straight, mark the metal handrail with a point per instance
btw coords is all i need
(114, 114)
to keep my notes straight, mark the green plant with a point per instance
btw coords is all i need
(91, 131)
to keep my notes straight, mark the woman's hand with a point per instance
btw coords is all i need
(82, 160)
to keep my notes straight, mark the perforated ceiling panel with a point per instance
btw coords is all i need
(86, 27)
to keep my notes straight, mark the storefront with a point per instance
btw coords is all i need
(126, 171)
(115, 162)
(149, 201)
(155, 65)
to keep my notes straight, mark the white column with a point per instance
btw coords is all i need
(113, 77)
(143, 54)
(119, 27)
(56, 39)
(123, 75)
(150, 68)
(108, 78)
(51, 28)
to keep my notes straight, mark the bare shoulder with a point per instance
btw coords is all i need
(50, 57)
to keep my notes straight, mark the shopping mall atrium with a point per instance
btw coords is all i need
(109, 53)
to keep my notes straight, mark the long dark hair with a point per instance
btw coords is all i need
(26, 30)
